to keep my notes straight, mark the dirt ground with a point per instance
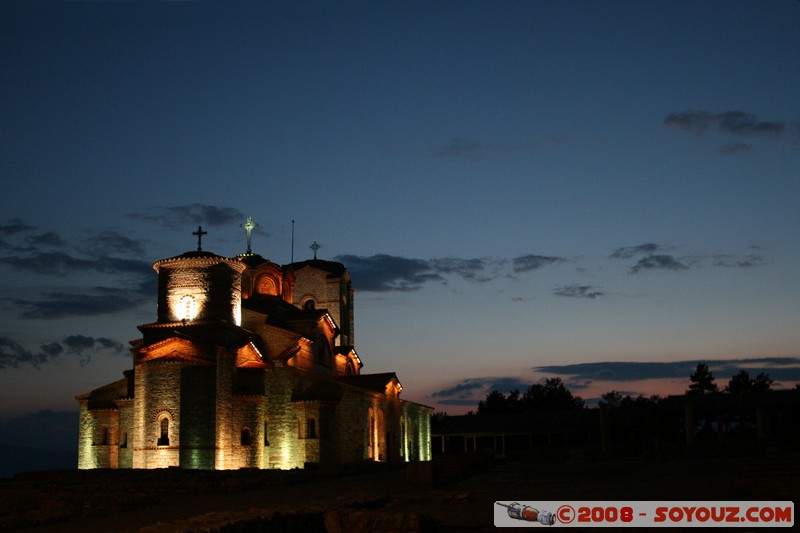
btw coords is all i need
(371, 497)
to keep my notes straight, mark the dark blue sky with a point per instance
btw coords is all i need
(517, 187)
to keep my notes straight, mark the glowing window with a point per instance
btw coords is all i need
(187, 309)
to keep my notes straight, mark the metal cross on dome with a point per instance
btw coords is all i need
(248, 228)
(199, 234)
(315, 247)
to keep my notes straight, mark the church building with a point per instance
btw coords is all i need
(249, 364)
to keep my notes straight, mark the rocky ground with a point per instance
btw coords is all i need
(458, 496)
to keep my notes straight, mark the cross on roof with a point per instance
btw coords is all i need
(199, 234)
(315, 247)
(248, 228)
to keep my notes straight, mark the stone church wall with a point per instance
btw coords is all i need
(157, 396)
(333, 294)
(86, 425)
(97, 443)
(125, 433)
(416, 430)
(284, 449)
(197, 416)
(245, 441)
(351, 421)
(311, 282)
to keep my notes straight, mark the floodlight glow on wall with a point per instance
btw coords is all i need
(187, 308)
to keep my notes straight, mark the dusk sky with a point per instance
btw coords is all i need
(605, 191)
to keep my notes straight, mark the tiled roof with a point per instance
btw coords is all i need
(331, 267)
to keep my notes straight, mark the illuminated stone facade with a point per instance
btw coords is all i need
(249, 365)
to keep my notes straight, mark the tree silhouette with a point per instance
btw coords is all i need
(495, 403)
(762, 383)
(612, 399)
(702, 381)
(741, 382)
(551, 396)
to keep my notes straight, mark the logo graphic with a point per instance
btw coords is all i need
(518, 511)
(565, 514)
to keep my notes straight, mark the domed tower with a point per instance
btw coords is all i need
(189, 357)
(199, 286)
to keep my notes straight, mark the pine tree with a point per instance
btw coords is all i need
(761, 383)
(702, 381)
(740, 383)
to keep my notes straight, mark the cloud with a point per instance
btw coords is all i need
(657, 262)
(380, 273)
(465, 389)
(621, 371)
(192, 214)
(51, 238)
(578, 291)
(472, 150)
(13, 354)
(783, 368)
(735, 148)
(60, 263)
(733, 261)
(626, 252)
(470, 390)
(95, 253)
(92, 302)
(134, 280)
(14, 226)
(730, 122)
(698, 122)
(526, 263)
(650, 260)
(56, 263)
(108, 243)
(740, 123)
(471, 269)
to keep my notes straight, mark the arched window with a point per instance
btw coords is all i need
(246, 435)
(187, 308)
(310, 305)
(349, 369)
(267, 285)
(163, 439)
